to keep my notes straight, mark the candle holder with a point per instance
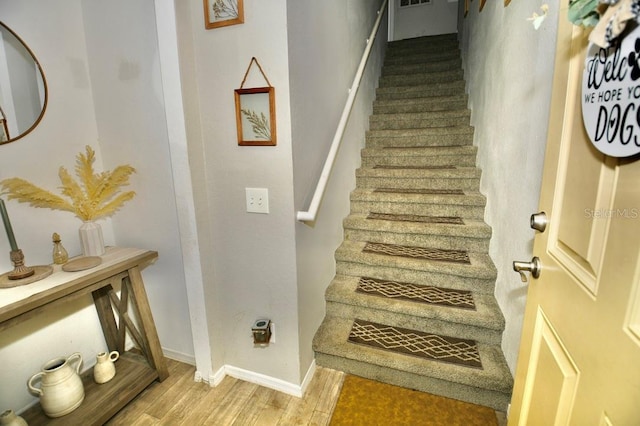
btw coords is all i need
(20, 271)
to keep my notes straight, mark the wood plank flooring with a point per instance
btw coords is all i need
(180, 401)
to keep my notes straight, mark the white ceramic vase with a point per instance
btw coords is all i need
(61, 390)
(91, 238)
(9, 418)
(105, 369)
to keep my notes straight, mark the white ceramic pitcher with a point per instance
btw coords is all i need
(105, 368)
(9, 418)
(61, 390)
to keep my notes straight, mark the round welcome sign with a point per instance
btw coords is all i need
(611, 96)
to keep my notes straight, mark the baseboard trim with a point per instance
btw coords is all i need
(214, 379)
(263, 380)
(179, 356)
(307, 377)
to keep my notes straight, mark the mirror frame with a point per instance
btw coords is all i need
(44, 84)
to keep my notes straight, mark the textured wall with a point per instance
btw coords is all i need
(323, 64)
(508, 67)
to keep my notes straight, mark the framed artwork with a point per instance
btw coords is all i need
(4, 131)
(256, 116)
(220, 13)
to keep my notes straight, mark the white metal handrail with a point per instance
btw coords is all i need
(310, 215)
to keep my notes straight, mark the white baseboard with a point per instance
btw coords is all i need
(179, 356)
(307, 378)
(214, 379)
(263, 380)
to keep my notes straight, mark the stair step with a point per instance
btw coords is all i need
(443, 65)
(420, 105)
(387, 302)
(478, 276)
(460, 178)
(430, 136)
(412, 56)
(425, 48)
(449, 88)
(435, 40)
(489, 385)
(469, 204)
(412, 301)
(470, 236)
(461, 156)
(421, 79)
(447, 118)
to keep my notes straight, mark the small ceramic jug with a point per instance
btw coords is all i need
(9, 418)
(61, 390)
(105, 368)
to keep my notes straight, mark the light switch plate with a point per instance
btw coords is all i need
(257, 200)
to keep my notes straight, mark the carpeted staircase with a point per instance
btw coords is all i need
(412, 301)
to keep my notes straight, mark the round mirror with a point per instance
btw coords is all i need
(23, 89)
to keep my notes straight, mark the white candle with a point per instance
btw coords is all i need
(7, 226)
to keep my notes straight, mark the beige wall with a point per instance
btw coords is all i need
(322, 66)
(264, 266)
(100, 64)
(508, 67)
(248, 259)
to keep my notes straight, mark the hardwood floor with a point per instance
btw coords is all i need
(180, 401)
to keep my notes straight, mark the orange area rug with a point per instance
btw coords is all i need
(367, 402)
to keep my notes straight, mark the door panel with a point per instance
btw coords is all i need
(579, 361)
(550, 391)
(583, 192)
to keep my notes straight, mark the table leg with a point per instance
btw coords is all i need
(148, 328)
(107, 319)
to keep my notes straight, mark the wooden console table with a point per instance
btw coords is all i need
(136, 369)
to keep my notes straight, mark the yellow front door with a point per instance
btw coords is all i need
(579, 361)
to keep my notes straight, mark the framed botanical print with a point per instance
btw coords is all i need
(220, 13)
(4, 131)
(256, 116)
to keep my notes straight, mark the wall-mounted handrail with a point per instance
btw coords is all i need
(311, 213)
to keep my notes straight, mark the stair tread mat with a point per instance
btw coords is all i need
(430, 100)
(432, 295)
(463, 352)
(450, 220)
(425, 89)
(447, 130)
(404, 116)
(426, 253)
(332, 339)
(391, 167)
(424, 191)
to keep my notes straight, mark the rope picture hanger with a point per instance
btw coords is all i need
(254, 61)
(256, 112)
